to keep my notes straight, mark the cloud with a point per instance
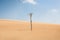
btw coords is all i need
(54, 10)
(30, 1)
(52, 16)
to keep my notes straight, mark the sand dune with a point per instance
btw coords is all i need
(20, 30)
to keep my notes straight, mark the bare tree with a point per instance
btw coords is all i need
(31, 20)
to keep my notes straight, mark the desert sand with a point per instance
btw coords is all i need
(20, 30)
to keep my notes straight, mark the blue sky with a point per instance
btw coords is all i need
(43, 10)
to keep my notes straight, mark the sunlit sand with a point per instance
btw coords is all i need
(20, 30)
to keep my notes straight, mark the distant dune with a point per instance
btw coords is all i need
(20, 30)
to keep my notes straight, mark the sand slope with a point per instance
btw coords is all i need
(20, 30)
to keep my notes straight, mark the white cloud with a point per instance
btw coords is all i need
(30, 1)
(52, 16)
(54, 10)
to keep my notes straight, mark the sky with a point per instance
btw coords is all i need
(47, 11)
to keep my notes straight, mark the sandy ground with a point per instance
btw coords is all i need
(20, 30)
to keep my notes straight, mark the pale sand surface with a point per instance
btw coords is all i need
(20, 30)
